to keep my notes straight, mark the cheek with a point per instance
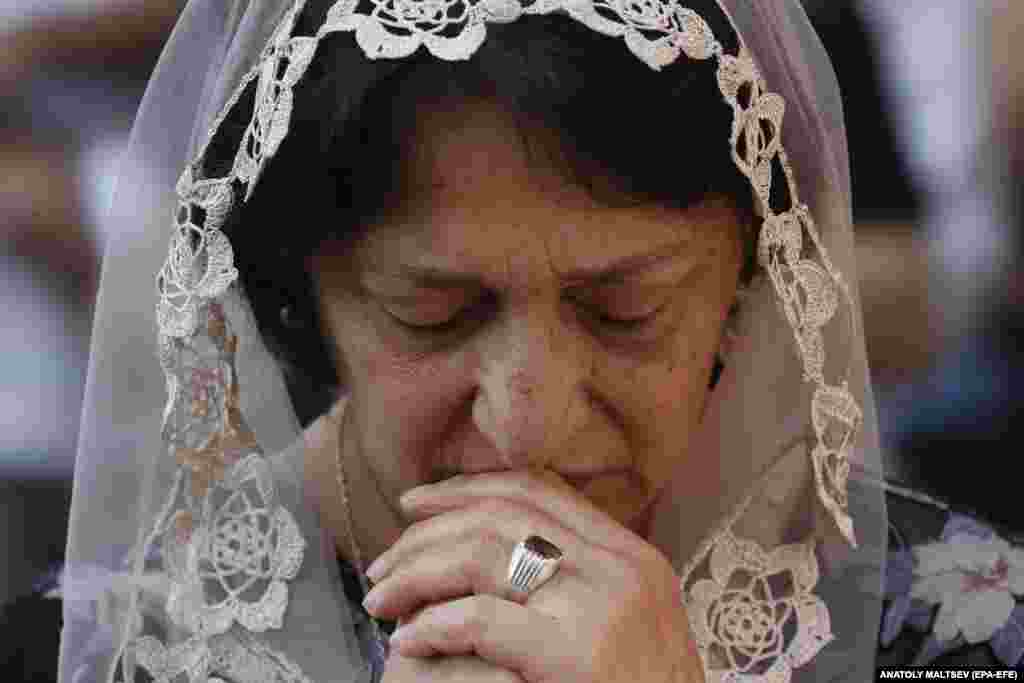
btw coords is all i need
(666, 399)
(408, 403)
(672, 407)
(393, 379)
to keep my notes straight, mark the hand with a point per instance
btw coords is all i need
(611, 614)
(455, 669)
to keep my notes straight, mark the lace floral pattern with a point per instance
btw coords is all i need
(836, 418)
(231, 548)
(200, 263)
(247, 548)
(235, 656)
(757, 121)
(283, 64)
(227, 545)
(755, 617)
(454, 29)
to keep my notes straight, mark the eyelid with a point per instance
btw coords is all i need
(443, 326)
(406, 296)
(615, 318)
(637, 297)
(455, 318)
(435, 316)
(643, 330)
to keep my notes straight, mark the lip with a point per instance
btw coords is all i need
(580, 479)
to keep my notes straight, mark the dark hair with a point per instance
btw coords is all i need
(654, 136)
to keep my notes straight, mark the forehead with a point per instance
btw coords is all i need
(479, 187)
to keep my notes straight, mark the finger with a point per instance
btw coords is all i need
(462, 567)
(500, 521)
(456, 569)
(458, 669)
(506, 634)
(545, 492)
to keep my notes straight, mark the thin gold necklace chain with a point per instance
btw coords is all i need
(357, 554)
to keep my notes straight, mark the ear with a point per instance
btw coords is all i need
(731, 327)
(726, 343)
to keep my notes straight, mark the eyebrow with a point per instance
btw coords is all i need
(624, 267)
(606, 273)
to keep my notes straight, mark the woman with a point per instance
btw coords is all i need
(477, 348)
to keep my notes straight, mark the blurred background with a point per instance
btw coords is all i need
(934, 96)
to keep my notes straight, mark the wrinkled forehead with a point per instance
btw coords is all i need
(473, 175)
(458, 145)
(473, 148)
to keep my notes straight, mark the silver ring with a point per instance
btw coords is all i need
(534, 561)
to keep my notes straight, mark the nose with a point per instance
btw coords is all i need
(531, 398)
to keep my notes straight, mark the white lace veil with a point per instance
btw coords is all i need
(194, 552)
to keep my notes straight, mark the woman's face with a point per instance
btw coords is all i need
(502, 318)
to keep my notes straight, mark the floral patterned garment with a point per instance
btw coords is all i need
(953, 588)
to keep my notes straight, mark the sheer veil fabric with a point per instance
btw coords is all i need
(195, 552)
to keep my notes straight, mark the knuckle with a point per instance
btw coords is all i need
(415, 529)
(630, 569)
(647, 576)
(489, 543)
(506, 676)
(511, 514)
(480, 616)
(464, 669)
(651, 556)
(469, 571)
(492, 507)
(484, 554)
(444, 629)
(530, 485)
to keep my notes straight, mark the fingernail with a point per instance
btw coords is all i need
(411, 496)
(372, 601)
(376, 569)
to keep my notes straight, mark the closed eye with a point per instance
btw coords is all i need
(617, 310)
(462, 317)
(444, 323)
(449, 325)
(628, 324)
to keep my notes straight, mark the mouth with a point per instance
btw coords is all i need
(579, 480)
